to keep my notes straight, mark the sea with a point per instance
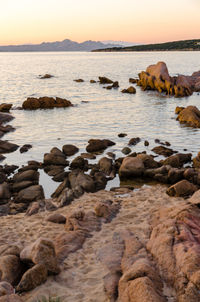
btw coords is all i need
(97, 112)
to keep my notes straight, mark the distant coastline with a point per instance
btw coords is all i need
(183, 45)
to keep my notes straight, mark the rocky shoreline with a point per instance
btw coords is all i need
(119, 245)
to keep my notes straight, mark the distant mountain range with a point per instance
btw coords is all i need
(65, 45)
(168, 46)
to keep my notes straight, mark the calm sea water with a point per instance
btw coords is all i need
(106, 113)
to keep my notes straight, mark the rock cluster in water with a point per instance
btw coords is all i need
(156, 77)
(45, 103)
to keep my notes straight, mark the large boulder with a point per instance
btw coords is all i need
(33, 278)
(105, 165)
(190, 116)
(42, 251)
(45, 103)
(182, 188)
(131, 167)
(10, 269)
(82, 180)
(30, 194)
(177, 160)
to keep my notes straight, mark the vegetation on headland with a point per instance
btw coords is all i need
(168, 46)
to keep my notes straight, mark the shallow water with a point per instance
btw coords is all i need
(107, 113)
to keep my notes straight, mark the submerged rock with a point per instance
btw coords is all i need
(79, 80)
(46, 76)
(130, 90)
(104, 80)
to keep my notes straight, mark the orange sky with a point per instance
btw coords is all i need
(142, 21)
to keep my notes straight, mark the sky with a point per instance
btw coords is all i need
(139, 21)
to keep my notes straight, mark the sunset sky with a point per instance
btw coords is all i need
(141, 21)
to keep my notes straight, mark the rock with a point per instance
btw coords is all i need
(4, 193)
(11, 298)
(79, 80)
(46, 76)
(104, 80)
(9, 169)
(134, 141)
(122, 134)
(133, 81)
(178, 109)
(78, 163)
(177, 160)
(111, 154)
(45, 103)
(5, 107)
(146, 143)
(4, 209)
(5, 118)
(111, 281)
(69, 150)
(196, 161)
(56, 218)
(148, 161)
(2, 157)
(88, 156)
(131, 167)
(30, 194)
(100, 181)
(6, 289)
(163, 151)
(25, 148)
(29, 175)
(67, 196)
(16, 187)
(6, 147)
(60, 188)
(182, 188)
(175, 175)
(156, 77)
(82, 180)
(32, 278)
(126, 150)
(42, 251)
(195, 198)
(60, 176)
(92, 81)
(96, 145)
(10, 269)
(130, 90)
(54, 159)
(114, 85)
(105, 165)
(190, 116)
(9, 249)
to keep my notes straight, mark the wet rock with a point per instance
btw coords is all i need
(182, 188)
(10, 269)
(7, 147)
(9, 169)
(46, 76)
(29, 175)
(178, 109)
(96, 145)
(16, 187)
(133, 81)
(4, 193)
(134, 141)
(78, 163)
(53, 170)
(92, 81)
(196, 161)
(2, 157)
(69, 150)
(190, 116)
(161, 150)
(146, 143)
(5, 118)
(148, 161)
(100, 180)
(177, 160)
(54, 159)
(79, 80)
(175, 175)
(42, 251)
(60, 176)
(11, 298)
(88, 156)
(131, 167)
(32, 278)
(5, 107)
(105, 165)
(6, 289)
(104, 80)
(45, 103)
(60, 188)
(111, 154)
(114, 85)
(122, 134)
(130, 90)
(56, 218)
(126, 150)
(25, 148)
(30, 194)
